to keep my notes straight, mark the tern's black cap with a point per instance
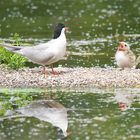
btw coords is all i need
(57, 30)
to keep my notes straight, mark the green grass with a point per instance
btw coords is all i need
(12, 60)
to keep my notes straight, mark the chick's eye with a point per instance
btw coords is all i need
(125, 45)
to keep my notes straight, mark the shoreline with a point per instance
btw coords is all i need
(70, 78)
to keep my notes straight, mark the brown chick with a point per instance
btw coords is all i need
(124, 57)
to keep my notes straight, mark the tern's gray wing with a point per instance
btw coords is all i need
(42, 57)
(17, 49)
(44, 45)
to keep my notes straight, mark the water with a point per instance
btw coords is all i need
(96, 27)
(83, 114)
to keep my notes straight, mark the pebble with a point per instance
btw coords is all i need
(70, 77)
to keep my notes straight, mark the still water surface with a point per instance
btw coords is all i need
(96, 27)
(81, 114)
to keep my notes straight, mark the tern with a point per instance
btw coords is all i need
(45, 53)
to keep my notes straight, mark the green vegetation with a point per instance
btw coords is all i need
(12, 60)
(11, 99)
(12, 102)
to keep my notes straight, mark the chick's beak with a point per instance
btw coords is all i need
(121, 45)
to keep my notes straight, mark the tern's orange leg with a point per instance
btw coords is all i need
(44, 71)
(54, 72)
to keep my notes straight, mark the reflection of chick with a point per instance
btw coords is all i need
(124, 57)
(124, 100)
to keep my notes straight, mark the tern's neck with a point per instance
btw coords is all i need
(62, 36)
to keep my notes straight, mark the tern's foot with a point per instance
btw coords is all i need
(44, 72)
(55, 72)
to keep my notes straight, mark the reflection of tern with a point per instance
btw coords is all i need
(49, 111)
(46, 53)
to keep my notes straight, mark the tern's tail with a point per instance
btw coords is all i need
(11, 48)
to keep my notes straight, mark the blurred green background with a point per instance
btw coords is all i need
(96, 27)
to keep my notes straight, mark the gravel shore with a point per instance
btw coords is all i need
(71, 77)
